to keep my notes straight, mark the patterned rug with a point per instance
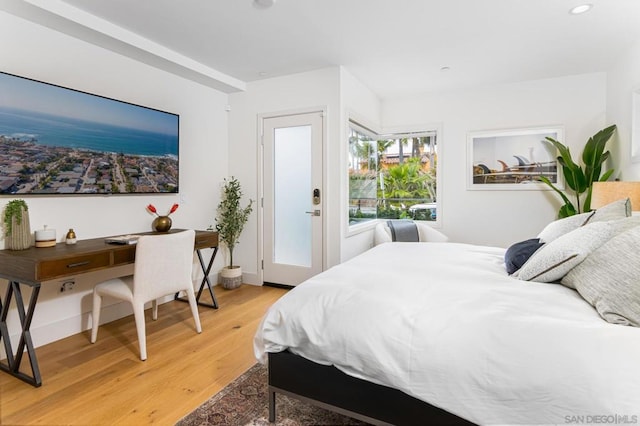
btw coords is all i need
(245, 402)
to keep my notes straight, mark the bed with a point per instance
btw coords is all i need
(445, 329)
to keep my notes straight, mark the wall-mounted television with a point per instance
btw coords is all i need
(56, 140)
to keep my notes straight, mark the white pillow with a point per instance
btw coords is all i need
(559, 227)
(382, 234)
(429, 234)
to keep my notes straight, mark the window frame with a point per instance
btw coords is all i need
(397, 132)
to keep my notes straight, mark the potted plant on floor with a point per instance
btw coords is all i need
(17, 230)
(230, 220)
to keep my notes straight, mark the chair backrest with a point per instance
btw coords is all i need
(163, 264)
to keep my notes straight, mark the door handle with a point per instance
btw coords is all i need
(314, 213)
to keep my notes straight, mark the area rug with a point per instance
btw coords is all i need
(245, 402)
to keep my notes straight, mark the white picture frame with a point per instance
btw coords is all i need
(635, 126)
(513, 159)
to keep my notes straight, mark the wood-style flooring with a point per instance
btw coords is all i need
(106, 383)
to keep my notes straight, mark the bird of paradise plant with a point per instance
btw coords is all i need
(580, 179)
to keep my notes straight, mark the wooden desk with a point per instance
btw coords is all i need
(32, 266)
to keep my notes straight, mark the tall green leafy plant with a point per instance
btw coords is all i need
(230, 217)
(580, 178)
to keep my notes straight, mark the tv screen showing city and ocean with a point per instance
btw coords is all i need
(55, 140)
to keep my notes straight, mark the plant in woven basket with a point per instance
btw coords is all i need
(230, 221)
(17, 230)
(231, 218)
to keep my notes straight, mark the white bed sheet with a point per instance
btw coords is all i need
(443, 322)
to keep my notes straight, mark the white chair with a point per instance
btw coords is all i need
(382, 233)
(163, 266)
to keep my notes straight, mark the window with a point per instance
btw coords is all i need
(391, 176)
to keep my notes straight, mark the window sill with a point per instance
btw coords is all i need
(362, 227)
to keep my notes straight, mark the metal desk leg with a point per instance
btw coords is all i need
(206, 270)
(205, 280)
(12, 366)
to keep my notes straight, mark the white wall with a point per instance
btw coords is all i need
(209, 152)
(341, 94)
(359, 103)
(299, 92)
(501, 217)
(483, 217)
(622, 79)
(36, 52)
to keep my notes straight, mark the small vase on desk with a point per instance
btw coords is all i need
(161, 224)
(70, 238)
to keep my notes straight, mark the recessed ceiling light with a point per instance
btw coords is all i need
(263, 4)
(581, 9)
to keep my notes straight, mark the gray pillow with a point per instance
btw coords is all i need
(608, 278)
(555, 259)
(616, 210)
(551, 262)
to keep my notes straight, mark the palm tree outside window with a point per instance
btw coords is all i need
(392, 176)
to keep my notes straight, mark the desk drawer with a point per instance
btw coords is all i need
(124, 255)
(73, 265)
(206, 240)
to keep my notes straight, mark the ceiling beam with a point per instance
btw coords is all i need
(67, 19)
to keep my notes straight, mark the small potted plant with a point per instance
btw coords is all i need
(17, 230)
(230, 220)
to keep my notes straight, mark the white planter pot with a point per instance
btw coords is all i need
(231, 278)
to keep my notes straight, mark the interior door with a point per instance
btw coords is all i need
(293, 198)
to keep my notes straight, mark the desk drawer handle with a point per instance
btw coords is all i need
(75, 265)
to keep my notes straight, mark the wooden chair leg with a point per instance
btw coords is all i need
(95, 316)
(194, 309)
(138, 314)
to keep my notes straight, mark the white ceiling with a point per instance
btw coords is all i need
(395, 47)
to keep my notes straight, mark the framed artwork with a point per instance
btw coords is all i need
(513, 159)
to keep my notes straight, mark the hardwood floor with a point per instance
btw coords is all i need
(106, 383)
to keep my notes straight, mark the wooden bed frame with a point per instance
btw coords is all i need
(330, 388)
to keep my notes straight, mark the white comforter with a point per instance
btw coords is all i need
(443, 322)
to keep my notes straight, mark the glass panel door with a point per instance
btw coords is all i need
(292, 181)
(292, 186)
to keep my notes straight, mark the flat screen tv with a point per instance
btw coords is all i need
(55, 140)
